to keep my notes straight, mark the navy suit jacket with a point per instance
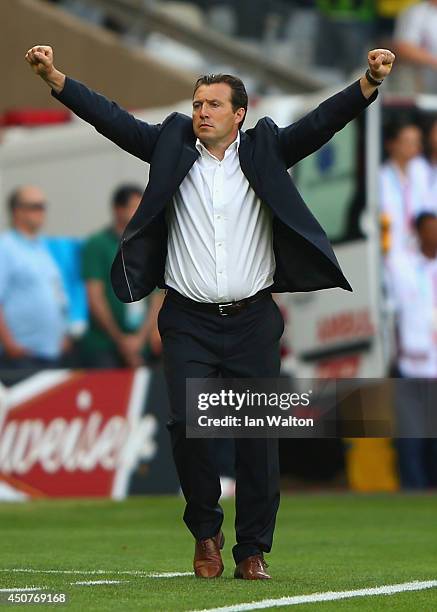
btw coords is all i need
(304, 257)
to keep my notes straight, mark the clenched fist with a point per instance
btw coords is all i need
(380, 62)
(40, 59)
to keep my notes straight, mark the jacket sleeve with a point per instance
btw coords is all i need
(134, 136)
(317, 127)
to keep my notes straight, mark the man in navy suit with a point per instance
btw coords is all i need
(220, 226)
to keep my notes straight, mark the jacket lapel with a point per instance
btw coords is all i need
(146, 212)
(245, 152)
(189, 154)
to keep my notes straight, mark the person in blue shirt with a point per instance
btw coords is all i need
(33, 304)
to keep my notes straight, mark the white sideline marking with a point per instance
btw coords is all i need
(390, 589)
(80, 572)
(100, 572)
(169, 574)
(94, 582)
(21, 589)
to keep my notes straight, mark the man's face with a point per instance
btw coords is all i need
(407, 144)
(428, 234)
(123, 214)
(214, 119)
(29, 214)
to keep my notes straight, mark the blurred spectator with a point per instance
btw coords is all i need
(94, 14)
(251, 18)
(429, 163)
(413, 285)
(301, 29)
(221, 16)
(387, 12)
(404, 188)
(32, 298)
(117, 333)
(67, 253)
(416, 44)
(345, 30)
(432, 159)
(82, 9)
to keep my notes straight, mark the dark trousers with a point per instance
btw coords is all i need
(246, 345)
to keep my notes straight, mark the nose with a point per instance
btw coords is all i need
(204, 110)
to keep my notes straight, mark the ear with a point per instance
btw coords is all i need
(239, 115)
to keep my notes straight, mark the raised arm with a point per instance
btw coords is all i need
(134, 136)
(315, 129)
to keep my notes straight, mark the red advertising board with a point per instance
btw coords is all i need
(75, 433)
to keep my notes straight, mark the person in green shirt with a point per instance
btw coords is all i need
(118, 335)
(346, 28)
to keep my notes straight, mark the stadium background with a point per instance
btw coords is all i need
(146, 56)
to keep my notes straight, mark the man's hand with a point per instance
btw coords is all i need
(40, 59)
(155, 342)
(380, 63)
(129, 347)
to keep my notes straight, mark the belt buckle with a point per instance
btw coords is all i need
(222, 310)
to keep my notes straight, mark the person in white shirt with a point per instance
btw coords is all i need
(413, 288)
(416, 44)
(426, 167)
(404, 184)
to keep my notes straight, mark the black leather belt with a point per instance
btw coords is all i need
(225, 309)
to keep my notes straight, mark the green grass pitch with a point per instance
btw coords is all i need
(322, 543)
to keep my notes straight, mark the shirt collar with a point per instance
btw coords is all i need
(204, 151)
(36, 239)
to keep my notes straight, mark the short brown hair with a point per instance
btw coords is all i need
(238, 96)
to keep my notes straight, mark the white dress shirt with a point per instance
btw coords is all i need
(412, 283)
(220, 245)
(403, 198)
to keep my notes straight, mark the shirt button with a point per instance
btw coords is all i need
(219, 244)
(218, 217)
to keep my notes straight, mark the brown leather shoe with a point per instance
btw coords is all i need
(207, 558)
(252, 568)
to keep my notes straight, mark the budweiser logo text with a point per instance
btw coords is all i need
(79, 444)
